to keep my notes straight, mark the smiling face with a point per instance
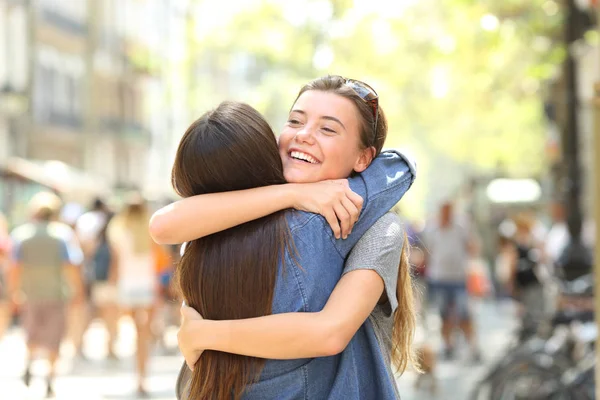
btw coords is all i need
(321, 139)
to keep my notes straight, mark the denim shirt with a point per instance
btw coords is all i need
(305, 283)
(305, 286)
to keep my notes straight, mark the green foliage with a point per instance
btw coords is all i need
(460, 78)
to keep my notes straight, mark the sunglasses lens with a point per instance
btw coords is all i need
(365, 92)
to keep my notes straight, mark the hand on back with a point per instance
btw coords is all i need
(185, 335)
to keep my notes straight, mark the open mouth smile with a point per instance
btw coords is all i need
(304, 157)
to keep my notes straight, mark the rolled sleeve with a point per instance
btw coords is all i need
(381, 186)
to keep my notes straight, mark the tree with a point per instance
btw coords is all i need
(460, 80)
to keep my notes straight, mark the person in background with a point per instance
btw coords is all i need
(168, 304)
(449, 246)
(45, 260)
(89, 227)
(527, 271)
(91, 230)
(558, 236)
(135, 272)
(5, 305)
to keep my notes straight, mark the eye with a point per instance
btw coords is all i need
(293, 121)
(328, 130)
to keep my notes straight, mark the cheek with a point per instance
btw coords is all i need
(340, 159)
(284, 139)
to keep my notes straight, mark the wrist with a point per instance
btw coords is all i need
(290, 195)
(200, 335)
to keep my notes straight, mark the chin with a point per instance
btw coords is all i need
(299, 177)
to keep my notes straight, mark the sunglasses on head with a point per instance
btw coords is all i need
(368, 94)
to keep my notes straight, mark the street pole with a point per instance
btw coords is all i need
(597, 205)
(576, 258)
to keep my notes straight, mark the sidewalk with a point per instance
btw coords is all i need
(99, 379)
(93, 379)
(495, 322)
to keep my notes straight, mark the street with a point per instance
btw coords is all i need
(101, 379)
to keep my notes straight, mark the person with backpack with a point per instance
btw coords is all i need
(526, 283)
(100, 283)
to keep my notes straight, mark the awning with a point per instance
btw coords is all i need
(73, 184)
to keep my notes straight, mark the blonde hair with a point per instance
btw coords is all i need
(45, 205)
(403, 352)
(135, 219)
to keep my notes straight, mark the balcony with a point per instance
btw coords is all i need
(65, 23)
(133, 130)
(59, 119)
(130, 130)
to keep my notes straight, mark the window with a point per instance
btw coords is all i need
(3, 46)
(17, 58)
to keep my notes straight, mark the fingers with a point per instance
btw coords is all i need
(353, 211)
(190, 365)
(355, 198)
(189, 313)
(333, 222)
(344, 217)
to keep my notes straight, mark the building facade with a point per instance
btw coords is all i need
(97, 86)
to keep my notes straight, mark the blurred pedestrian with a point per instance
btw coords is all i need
(558, 236)
(91, 229)
(45, 260)
(449, 245)
(5, 304)
(527, 271)
(135, 273)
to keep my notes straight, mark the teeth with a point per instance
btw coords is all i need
(303, 156)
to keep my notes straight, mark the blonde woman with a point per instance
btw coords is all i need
(135, 274)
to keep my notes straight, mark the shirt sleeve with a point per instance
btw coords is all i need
(71, 251)
(379, 250)
(381, 186)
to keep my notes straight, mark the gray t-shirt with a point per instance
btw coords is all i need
(448, 253)
(379, 250)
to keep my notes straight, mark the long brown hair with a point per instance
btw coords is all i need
(402, 352)
(230, 274)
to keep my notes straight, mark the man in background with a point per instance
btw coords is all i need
(45, 275)
(448, 248)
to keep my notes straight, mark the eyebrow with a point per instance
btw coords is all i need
(327, 117)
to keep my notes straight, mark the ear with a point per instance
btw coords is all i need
(364, 160)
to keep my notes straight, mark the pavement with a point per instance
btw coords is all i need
(97, 378)
(495, 323)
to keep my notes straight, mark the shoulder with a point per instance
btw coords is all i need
(387, 228)
(384, 239)
(61, 231)
(23, 233)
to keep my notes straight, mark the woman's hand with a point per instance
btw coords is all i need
(334, 200)
(188, 331)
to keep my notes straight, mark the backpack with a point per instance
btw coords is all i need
(527, 261)
(101, 262)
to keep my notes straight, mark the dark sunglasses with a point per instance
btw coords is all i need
(368, 94)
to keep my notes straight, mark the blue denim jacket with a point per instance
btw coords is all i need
(359, 372)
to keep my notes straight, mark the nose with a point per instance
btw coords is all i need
(305, 135)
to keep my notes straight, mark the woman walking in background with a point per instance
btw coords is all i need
(135, 274)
